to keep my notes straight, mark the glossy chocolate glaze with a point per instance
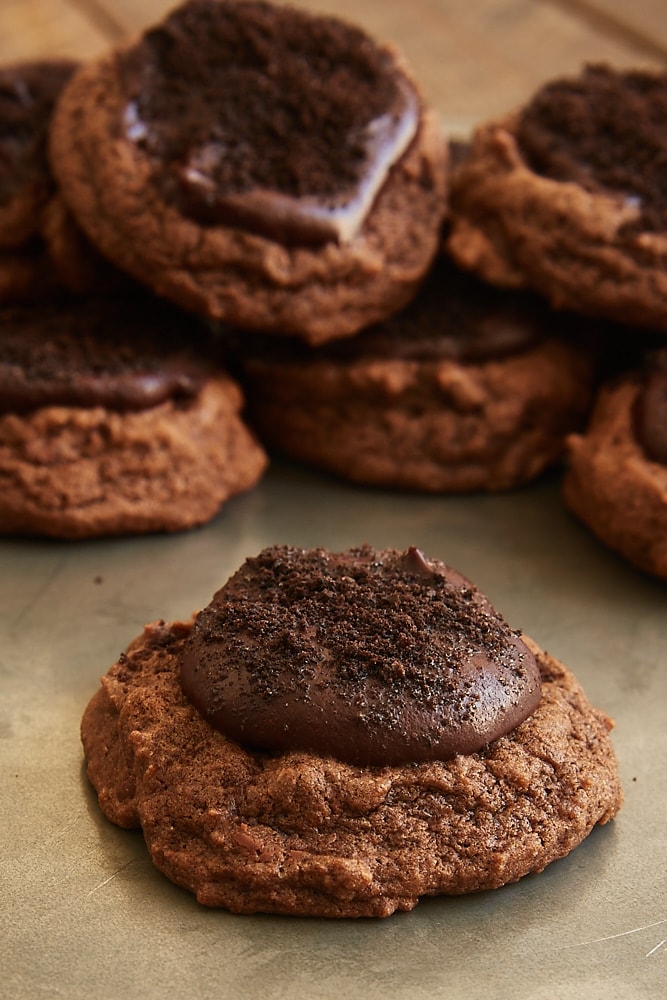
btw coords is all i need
(28, 92)
(120, 354)
(604, 130)
(267, 118)
(650, 410)
(372, 657)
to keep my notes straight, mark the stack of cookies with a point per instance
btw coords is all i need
(385, 300)
(281, 181)
(115, 414)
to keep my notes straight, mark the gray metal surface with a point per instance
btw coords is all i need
(84, 913)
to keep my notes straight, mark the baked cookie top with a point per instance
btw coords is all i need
(28, 93)
(605, 131)
(469, 387)
(616, 473)
(567, 196)
(257, 163)
(267, 118)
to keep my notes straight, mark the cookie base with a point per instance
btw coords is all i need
(298, 834)
(430, 426)
(71, 473)
(516, 229)
(614, 488)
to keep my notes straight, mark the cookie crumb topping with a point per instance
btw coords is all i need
(604, 130)
(125, 354)
(373, 657)
(268, 118)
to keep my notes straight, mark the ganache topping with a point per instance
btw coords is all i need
(604, 130)
(122, 354)
(372, 657)
(268, 119)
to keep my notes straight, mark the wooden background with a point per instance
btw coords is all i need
(474, 58)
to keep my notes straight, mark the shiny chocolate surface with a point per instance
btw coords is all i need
(371, 657)
(270, 120)
(122, 354)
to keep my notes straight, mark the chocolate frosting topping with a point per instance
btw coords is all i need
(650, 411)
(28, 92)
(604, 130)
(268, 118)
(371, 657)
(121, 354)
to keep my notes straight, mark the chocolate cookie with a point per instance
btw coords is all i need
(112, 421)
(258, 164)
(42, 250)
(369, 730)
(569, 196)
(467, 388)
(617, 476)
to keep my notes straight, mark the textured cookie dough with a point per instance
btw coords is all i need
(587, 232)
(613, 485)
(42, 250)
(72, 472)
(28, 93)
(432, 399)
(114, 186)
(111, 423)
(296, 833)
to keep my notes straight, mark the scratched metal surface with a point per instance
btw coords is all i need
(84, 913)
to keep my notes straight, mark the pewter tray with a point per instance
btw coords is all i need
(85, 914)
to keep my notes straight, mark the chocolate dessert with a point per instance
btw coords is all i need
(467, 388)
(114, 419)
(337, 735)
(258, 164)
(568, 196)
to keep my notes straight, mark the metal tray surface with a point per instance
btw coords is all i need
(86, 915)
